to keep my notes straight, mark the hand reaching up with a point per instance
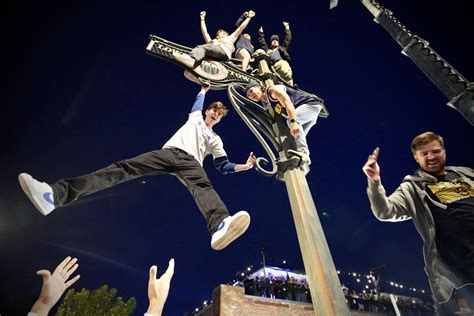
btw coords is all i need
(54, 285)
(158, 289)
(371, 167)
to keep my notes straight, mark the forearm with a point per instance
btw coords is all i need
(290, 108)
(241, 27)
(242, 167)
(199, 102)
(39, 308)
(239, 21)
(287, 39)
(386, 208)
(154, 310)
(205, 34)
(261, 41)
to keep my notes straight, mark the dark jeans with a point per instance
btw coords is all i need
(211, 51)
(168, 160)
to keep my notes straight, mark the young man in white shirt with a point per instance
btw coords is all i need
(181, 156)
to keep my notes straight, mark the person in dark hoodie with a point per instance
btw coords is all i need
(278, 52)
(440, 201)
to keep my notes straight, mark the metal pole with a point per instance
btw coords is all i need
(326, 291)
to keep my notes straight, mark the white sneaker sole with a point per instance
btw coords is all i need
(236, 228)
(24, 178)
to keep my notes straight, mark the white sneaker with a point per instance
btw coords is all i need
(231, 228)
(39, 193)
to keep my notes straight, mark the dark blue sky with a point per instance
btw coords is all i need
(81, 93)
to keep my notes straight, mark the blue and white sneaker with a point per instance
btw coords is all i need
(39, 193)
(231, 228)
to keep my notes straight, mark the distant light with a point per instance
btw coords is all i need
(364, 291)
(413, 301)
(422, 291)
(358, 280)
(205, 303)
(338, 272)
(370, 281)
(366, 286)
(196, 309)
(414, 290)
(242, 274)
(396, 285)
(401, 286)
(354, 274)
(249, 268)
(391, 283)
(284, 261)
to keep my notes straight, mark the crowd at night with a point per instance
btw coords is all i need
(363, 292)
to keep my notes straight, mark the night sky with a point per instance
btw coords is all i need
(81, 93)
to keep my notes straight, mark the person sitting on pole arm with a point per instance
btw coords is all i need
(220, 48)
(181, 156)
(278, 52)
(243, 47)
(440, 201)
(301, 110)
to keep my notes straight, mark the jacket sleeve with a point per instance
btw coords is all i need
(198, 103)
(287, 39)
(392, 208)
(261, 41)
(224, 165)
(240, 20)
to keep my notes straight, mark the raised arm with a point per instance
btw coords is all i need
(261, 39)
(205, 34)
(392, 208)
(241, 19)
(287, 39)
(279, 92)
(244, 24)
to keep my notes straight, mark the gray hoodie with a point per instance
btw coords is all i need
(410, 201)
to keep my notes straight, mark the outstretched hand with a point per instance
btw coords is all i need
(260, 30)
(202, 15)
(158, 289)
(371, 167)
(286, 24)
(251, 14)
(54, 285)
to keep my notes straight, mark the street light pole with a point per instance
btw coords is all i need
(326, 291)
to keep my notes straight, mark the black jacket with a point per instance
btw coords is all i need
(283, 48)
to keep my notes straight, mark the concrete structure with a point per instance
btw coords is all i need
(231, 301)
